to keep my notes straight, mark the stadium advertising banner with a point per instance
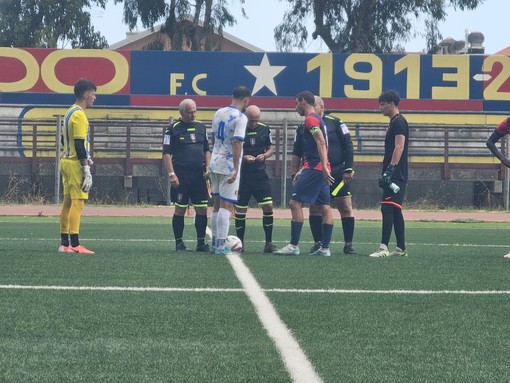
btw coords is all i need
(162, 78)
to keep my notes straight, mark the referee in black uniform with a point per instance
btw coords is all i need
(186, 156)
(257, 147)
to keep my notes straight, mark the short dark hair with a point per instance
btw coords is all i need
(241, 92)
(307, 96)
(83, 85)
(390, 96)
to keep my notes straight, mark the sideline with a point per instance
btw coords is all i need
(167, 211)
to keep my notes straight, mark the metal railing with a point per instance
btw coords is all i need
(132, 148)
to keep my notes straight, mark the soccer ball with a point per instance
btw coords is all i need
(234, 244)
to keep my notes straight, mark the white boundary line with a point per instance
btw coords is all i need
(296, 362)
(234, 290)
(121, 288)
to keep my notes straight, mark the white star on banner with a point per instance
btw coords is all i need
(265, 74)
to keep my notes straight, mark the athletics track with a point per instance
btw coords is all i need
(167, 211)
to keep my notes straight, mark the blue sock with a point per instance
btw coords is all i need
(295, 232)
(327, 232)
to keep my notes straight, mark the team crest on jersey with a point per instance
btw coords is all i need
(252, 141)
(179, 197)
(193, 137)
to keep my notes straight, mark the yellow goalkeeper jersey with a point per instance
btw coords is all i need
(76, 126)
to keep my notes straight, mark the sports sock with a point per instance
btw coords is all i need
(240, 223)
(223, 223)
(178, 227)
(316, 227)
(348, 228)
(64, 239)
(267, 223)
(295, 232)
(200, 226)
(399, 225)
(75, 241)
(327, 232)
(387, 222)
(214, 224)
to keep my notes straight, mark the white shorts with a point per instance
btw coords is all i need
(226, 191)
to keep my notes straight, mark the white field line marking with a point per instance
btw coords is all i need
(234, 290)
(251, 241)
(294, 358)
(122, 288)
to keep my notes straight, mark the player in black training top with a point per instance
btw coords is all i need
(341, 157)
(257, 147)
(393, 179)
(186, 156)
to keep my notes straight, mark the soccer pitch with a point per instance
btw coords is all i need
(139, 312)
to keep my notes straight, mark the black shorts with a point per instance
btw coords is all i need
(192, 187)
(338, 191)
(256, 185)
(396, 199)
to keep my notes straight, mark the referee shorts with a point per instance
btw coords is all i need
(339, 189)
(256, 185)
(192, 187)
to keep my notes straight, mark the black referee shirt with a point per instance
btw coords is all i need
(186, 142)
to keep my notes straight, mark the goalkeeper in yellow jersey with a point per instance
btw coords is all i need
(75, 167)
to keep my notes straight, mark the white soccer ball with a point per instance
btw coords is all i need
(234, 244)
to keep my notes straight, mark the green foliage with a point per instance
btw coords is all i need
(49, 23)
(364, 26)
(190, 25)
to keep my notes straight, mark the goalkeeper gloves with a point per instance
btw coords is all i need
(385, 179)
(87, 178)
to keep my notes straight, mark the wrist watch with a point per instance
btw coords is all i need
(170, 174)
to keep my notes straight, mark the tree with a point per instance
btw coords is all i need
(364, 26)
(48, 23)
(188, 24)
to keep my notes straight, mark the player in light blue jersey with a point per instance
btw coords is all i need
(228, 128)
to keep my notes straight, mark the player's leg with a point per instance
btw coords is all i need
(315, 221)
(399, 226)
(64, 224)
(324, 201)
(178, 226)
(344, 207)
(78, 198)
(66, 208)
(240, 220)
(215, 180)
(199, 196)
(180, 199)
(263, 195)
(296, 209)
(267, 224)
(395, 201)
(241, 208)
(228, 193)
(306, 190)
